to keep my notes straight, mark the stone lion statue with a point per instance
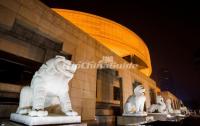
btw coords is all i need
(160, 106)
(169, 106)
(183, 109)
(135, 104)
(49, 86)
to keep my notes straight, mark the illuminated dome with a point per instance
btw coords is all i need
(114, 36)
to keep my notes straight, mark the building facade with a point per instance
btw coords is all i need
(31, 33)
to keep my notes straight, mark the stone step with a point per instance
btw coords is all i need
(105, 112)
(106, 120)
(6, 110)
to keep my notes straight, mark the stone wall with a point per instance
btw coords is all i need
(12, 91)
(34, 15)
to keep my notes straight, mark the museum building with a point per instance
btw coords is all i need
(31, 33)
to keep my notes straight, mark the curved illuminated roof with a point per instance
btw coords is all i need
(114, 36)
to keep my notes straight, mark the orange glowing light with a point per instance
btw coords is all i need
(114, 36)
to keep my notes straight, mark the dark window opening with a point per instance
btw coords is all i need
(116, 93)
(16, 70)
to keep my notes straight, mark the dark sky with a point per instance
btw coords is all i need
(171, 31)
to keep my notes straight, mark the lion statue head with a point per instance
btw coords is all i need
(58, 65)
(139, 90)
(160, 100)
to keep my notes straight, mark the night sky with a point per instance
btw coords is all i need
(171, 31)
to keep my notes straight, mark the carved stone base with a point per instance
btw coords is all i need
(159, 116)
(51, 119)
(135, 114)
(131, 120)
(178, 116)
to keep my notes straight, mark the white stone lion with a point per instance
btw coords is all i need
(49, 86)
(135, 104)
(169, 106)
(184, 110)
(160, 106)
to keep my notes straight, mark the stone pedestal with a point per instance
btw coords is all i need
(47, 120)
(136, 114)
(180, 117)
(131, 120)
(158, 116)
